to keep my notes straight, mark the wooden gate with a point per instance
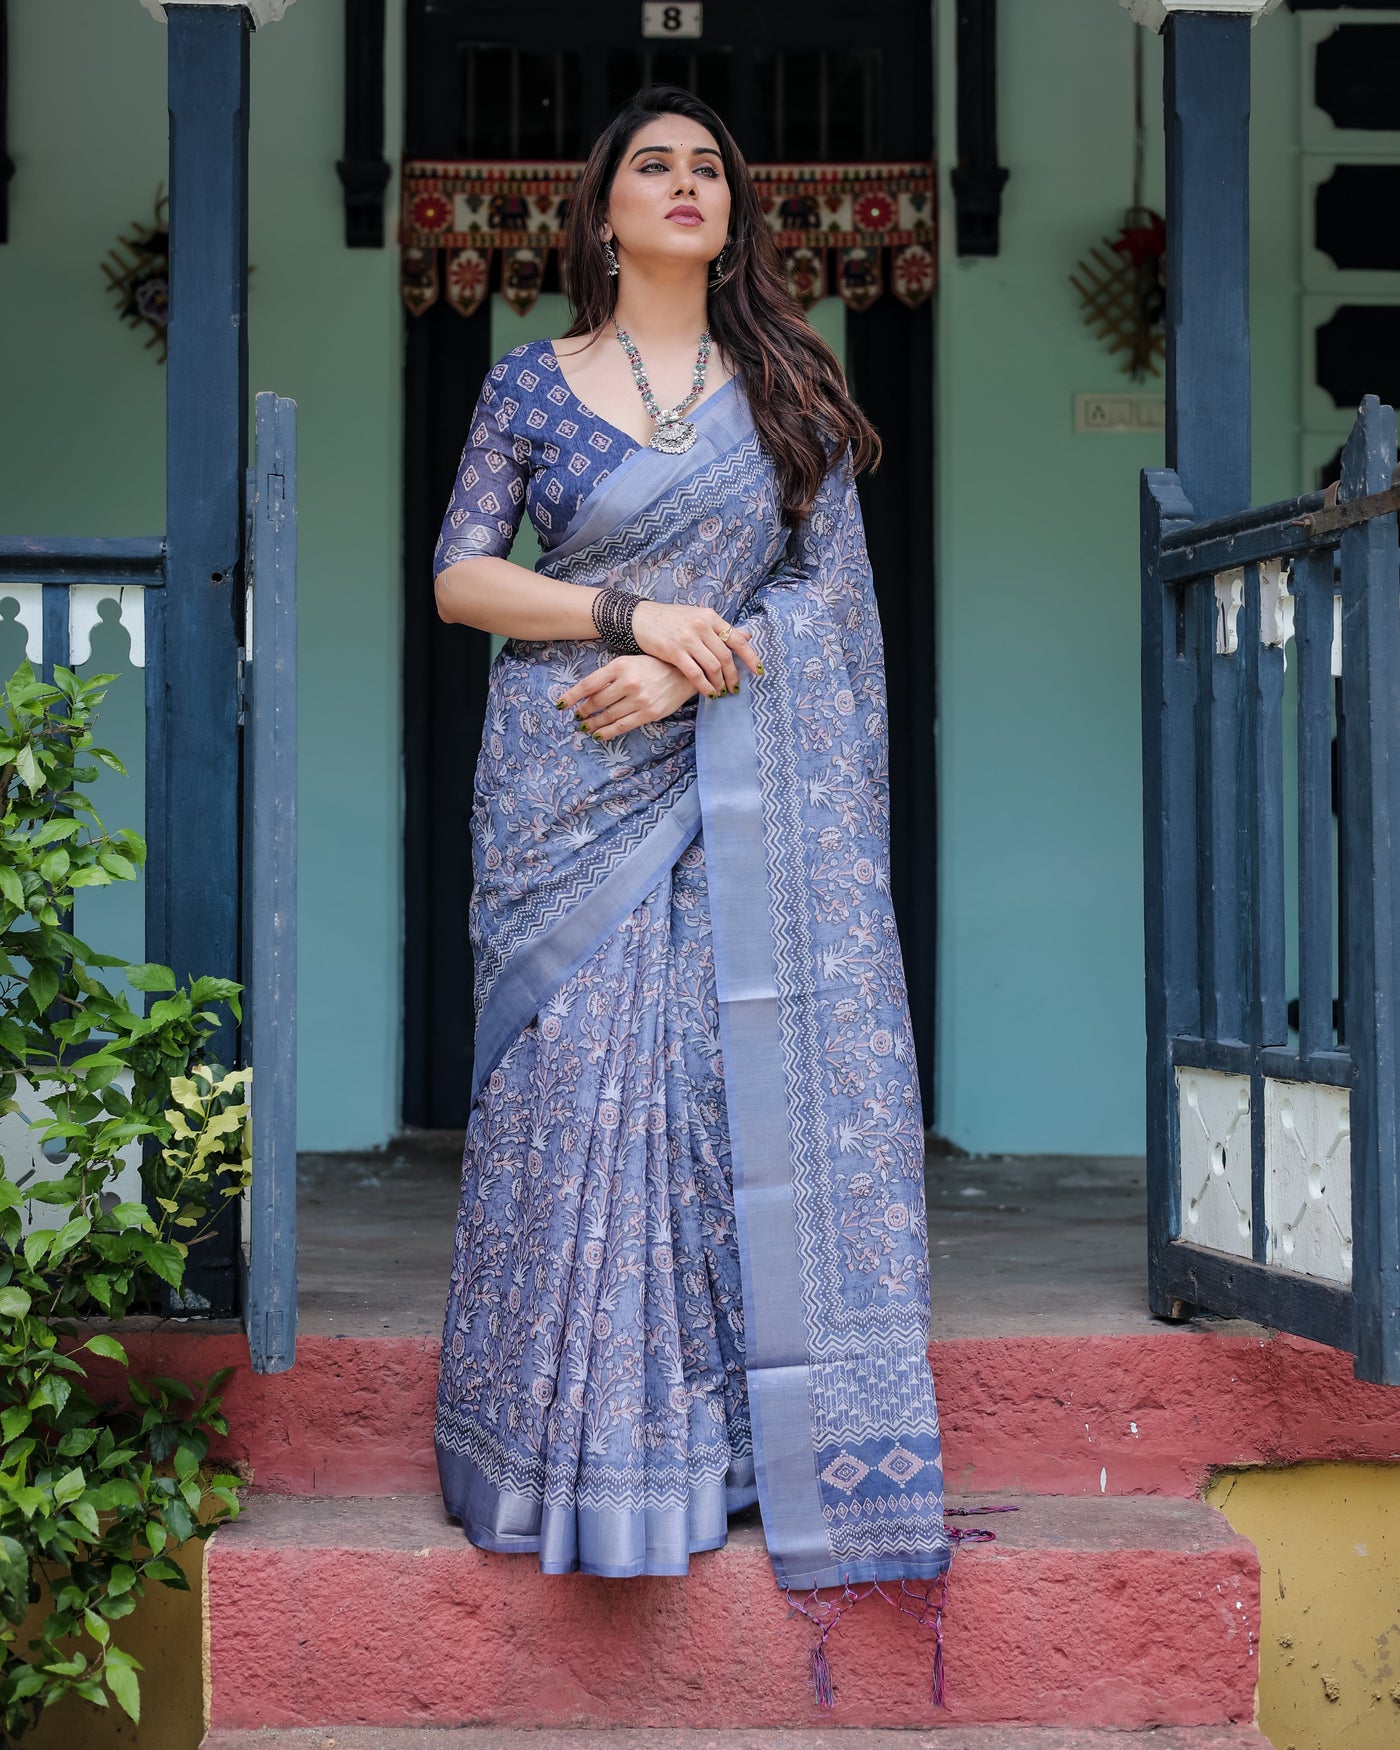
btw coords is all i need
(1274, 1165)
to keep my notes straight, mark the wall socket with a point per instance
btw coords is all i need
(1113, 411)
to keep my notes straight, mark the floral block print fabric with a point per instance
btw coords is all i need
(691, 1261)
(594, 1362)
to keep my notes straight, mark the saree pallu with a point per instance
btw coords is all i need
(743, 840)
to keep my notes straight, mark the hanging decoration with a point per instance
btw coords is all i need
(840, 228)
(1122, 282)
(138, 275)
(1122, 288)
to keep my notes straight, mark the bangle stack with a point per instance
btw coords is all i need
(612, 617)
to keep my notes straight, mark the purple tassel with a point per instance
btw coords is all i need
(938, 1658)
(821, 1675)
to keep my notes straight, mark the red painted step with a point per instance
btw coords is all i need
(1085, 1613)
(819, 1738)
(1117, 1415)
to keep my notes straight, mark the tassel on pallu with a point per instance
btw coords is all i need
(925, 1604)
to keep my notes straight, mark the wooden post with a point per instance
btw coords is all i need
(192, 905)
(1192, 840)
(1371, 812)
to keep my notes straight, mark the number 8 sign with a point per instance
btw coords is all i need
(671, 20)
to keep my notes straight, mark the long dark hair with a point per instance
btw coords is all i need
(794, 382)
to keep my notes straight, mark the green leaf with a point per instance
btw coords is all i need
(69, 1486)
(86, 1515)
(43, 985)
(14, 1580)
(11, 886)
(14, 1421)
(117, 1492)
(121, 1680)
(14, 1303)
(54, 829)
(166, 1260)
(116, 864)
(28, 769)
(108, 1346)
(150, 976)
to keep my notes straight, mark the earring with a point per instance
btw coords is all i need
(610, 257)
(717, 267)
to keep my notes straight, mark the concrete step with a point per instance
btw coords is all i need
(1114, 1415)
(335, 1611)
(854, 1738)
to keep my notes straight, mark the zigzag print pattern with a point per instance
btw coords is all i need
(717, 484)
(864, 1539)
(548, 903)
(563, 1485)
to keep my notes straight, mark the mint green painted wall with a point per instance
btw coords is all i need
(83, 451)
(1036, 529)
(1041, 993)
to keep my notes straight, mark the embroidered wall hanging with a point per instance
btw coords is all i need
(138, 275)
(841, 227)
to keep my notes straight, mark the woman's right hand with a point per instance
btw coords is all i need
(689, 638)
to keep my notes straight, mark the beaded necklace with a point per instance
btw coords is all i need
(673, 433)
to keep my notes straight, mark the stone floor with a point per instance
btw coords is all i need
(1024, 1246)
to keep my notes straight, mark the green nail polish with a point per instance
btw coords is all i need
(558, 704)
(759, 669)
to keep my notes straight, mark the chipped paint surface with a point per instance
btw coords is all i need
(1328, 1537)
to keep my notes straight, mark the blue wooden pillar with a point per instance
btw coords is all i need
(1196, 856)
(193, 877)
(1206, 101)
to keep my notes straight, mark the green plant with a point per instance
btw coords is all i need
(94, 1496)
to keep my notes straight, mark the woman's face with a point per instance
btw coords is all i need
(669, 197)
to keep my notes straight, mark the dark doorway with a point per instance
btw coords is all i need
(491, 80)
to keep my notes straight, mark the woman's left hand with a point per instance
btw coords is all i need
(625, 693)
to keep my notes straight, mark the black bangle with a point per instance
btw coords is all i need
(612, 618)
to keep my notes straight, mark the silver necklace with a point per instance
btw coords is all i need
(673, 433)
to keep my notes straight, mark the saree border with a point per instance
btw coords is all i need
(537, 967)
(647, 473)
(775, 1345)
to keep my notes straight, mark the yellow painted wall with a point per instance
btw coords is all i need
(165, 1632)
(1328, 1537)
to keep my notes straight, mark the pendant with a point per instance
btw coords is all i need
(673, 436)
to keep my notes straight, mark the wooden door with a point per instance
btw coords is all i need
(491, 80)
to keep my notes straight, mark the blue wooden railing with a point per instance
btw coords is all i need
(1274, 1152)
(58, 585)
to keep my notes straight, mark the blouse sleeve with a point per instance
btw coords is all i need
(488, 495)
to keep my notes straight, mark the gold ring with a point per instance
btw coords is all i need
(725, 634)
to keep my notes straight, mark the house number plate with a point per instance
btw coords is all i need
(671, 20)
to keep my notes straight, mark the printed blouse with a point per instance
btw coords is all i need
(532, 445)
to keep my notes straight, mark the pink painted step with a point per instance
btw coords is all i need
(801, 1738)
(1115, 1415)
(377, 1612)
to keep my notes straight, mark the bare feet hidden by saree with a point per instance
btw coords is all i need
(691, 1261)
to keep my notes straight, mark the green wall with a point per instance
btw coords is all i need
(83, 452)
(1040, 910)
(1035, 528)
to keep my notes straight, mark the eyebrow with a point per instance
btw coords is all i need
(694, 149)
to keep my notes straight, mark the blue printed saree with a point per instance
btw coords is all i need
(690, 1265)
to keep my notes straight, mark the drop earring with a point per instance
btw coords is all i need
(717, 267)
(610, 257)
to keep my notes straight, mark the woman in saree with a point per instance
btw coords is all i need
(691, 1263)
